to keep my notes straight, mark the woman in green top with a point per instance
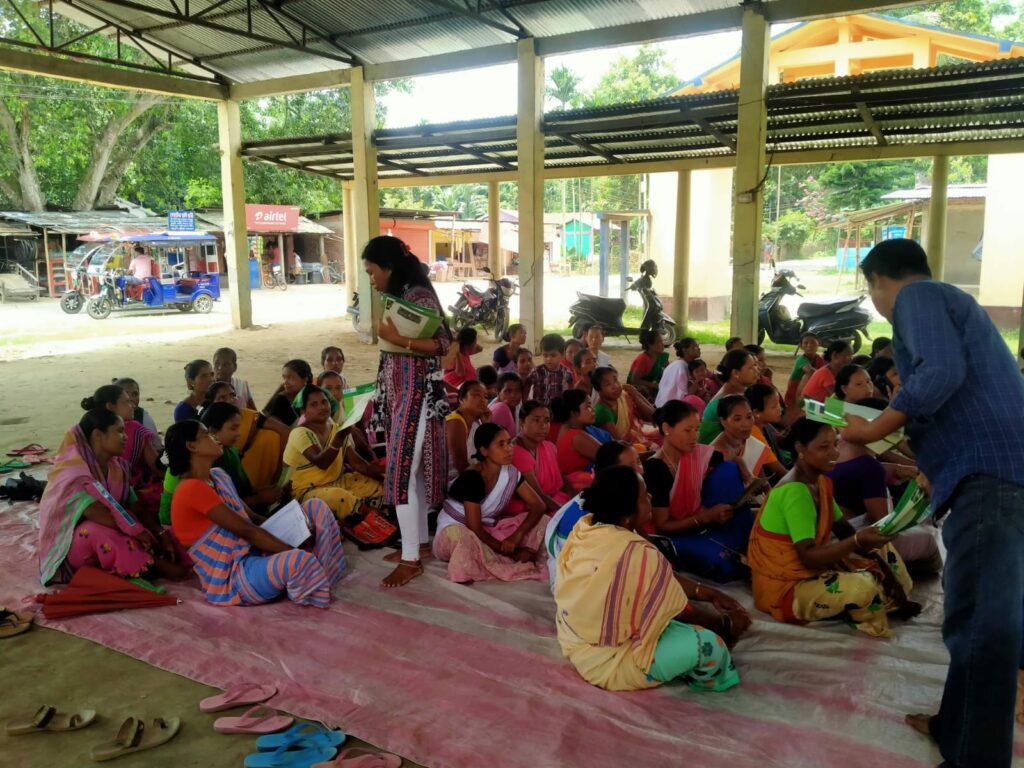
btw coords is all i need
(620, 410)
(806, 363)
(808, 563)
(646, 370)
(737, 371)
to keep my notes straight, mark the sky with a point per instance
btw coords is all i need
(491, 92)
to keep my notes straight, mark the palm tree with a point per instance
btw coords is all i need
(564, 87)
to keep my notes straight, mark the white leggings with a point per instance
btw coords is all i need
(412, 517)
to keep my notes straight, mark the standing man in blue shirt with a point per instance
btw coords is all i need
(962, 404)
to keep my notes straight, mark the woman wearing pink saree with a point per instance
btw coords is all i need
(474, 536)
(84, 516)
(536, 458)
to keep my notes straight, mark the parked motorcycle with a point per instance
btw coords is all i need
(488, 307)
(78, 291)
(839, 319)
(607, 312)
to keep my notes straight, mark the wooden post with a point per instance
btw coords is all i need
(366, 195)
(936, 243)
(232, 184)
(681, 275)
(49, 265)
(494, 259)
(530, 176)
(750, 169)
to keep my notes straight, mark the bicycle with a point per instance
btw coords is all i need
(331, 274)
(274, 278)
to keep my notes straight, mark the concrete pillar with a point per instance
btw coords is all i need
(350, 255)
(530, 176)
(494, 259)
(681, 272)
(750, 169)
(623, 256)
(366, 196)
(936, 241)
(602, 267)
(232, 185)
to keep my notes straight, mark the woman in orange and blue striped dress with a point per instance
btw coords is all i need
(237, 562)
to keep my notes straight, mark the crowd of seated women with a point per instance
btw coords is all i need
(630, 495)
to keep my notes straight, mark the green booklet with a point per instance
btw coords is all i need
(412, 321)
(912, 509)
(833, 412)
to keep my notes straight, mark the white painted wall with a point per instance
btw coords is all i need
(1002, 265)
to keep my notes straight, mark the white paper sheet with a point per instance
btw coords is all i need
(288, 524)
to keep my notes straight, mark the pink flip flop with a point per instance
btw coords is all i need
(367, 759)
(28, 450)
(258, 720)
(238, 695)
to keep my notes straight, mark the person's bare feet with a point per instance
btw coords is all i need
(396, 557)
(919, 723)
(404, 572)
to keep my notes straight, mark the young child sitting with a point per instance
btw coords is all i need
(524, 364)
(225, 364)
(572, 348)
(141, 415)
(333, 359)
(551, 379)
(488, 376)
(584, 364)
(458, 367)
(505, 409)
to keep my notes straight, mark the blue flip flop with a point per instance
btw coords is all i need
(289, 758)
(301, 736)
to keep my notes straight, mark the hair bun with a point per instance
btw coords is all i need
(88, 403)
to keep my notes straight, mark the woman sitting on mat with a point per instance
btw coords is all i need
(737, 371)
(806, 363)
(286, 403)
(461, 424)
(854, 384)
(823, 381)
(505, 407)
(141, 446)
(584, 363)
(316, 453)
(564, 520)
(737, 442)
(141, 415)
(537, 458)
(624, 619)
(504, 357)
(89, 515)
(224, 420)
(237, 561)
(199, 376)
(647, 368)
(693, 490)
(261, 438)
(577, 441)
(809, 563)
(620, 410)
(474, 536)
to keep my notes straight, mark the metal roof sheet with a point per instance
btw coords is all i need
(956, 103)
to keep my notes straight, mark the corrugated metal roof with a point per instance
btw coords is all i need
(954, 191)
(956, 103)
(216, 218)
(80, 222)
(237, 38)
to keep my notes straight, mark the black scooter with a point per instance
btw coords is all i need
(840, 319)
(607, 312)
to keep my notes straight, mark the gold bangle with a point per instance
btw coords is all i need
(856, 541)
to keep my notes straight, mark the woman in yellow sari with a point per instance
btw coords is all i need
(623, 618)
(261, 438)
(621, 409)
(316, 453)
(808, 563)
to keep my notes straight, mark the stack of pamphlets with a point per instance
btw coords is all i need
(913, 509)
(833, 411)
(412, 321)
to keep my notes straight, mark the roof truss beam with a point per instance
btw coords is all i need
(516, 32)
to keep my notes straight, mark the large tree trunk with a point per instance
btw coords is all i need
(122, 160)
(27, 194)
(103, 151)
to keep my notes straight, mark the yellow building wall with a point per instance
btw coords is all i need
(710, 278)
(1002, 265)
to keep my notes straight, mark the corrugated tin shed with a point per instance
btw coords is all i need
(216, 221)
(955, 103)
(80, 222)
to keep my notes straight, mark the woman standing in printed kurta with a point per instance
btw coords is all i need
(411, 404)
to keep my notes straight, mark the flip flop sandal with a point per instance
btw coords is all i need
(133, 737)
(28, 449)
(12, 623)
(238, 695)
(282, 758)
(302, 736)
(48, 720)
(12, 464)
(36, 458)
(258, 720)
(367, 759)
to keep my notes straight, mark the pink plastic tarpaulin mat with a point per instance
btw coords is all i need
(454, 675)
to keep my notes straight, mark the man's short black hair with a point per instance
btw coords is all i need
(896, 259)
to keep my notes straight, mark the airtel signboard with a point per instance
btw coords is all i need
(272, 218)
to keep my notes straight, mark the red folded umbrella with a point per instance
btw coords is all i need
(94, 591)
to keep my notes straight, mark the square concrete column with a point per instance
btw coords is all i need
(366, 196)
(937, 206)
(232, 185)
(751, 133)
(681, 273)
(530, 176)
(494, 260)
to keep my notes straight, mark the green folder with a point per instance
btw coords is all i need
(412, 321)
(912, 509)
